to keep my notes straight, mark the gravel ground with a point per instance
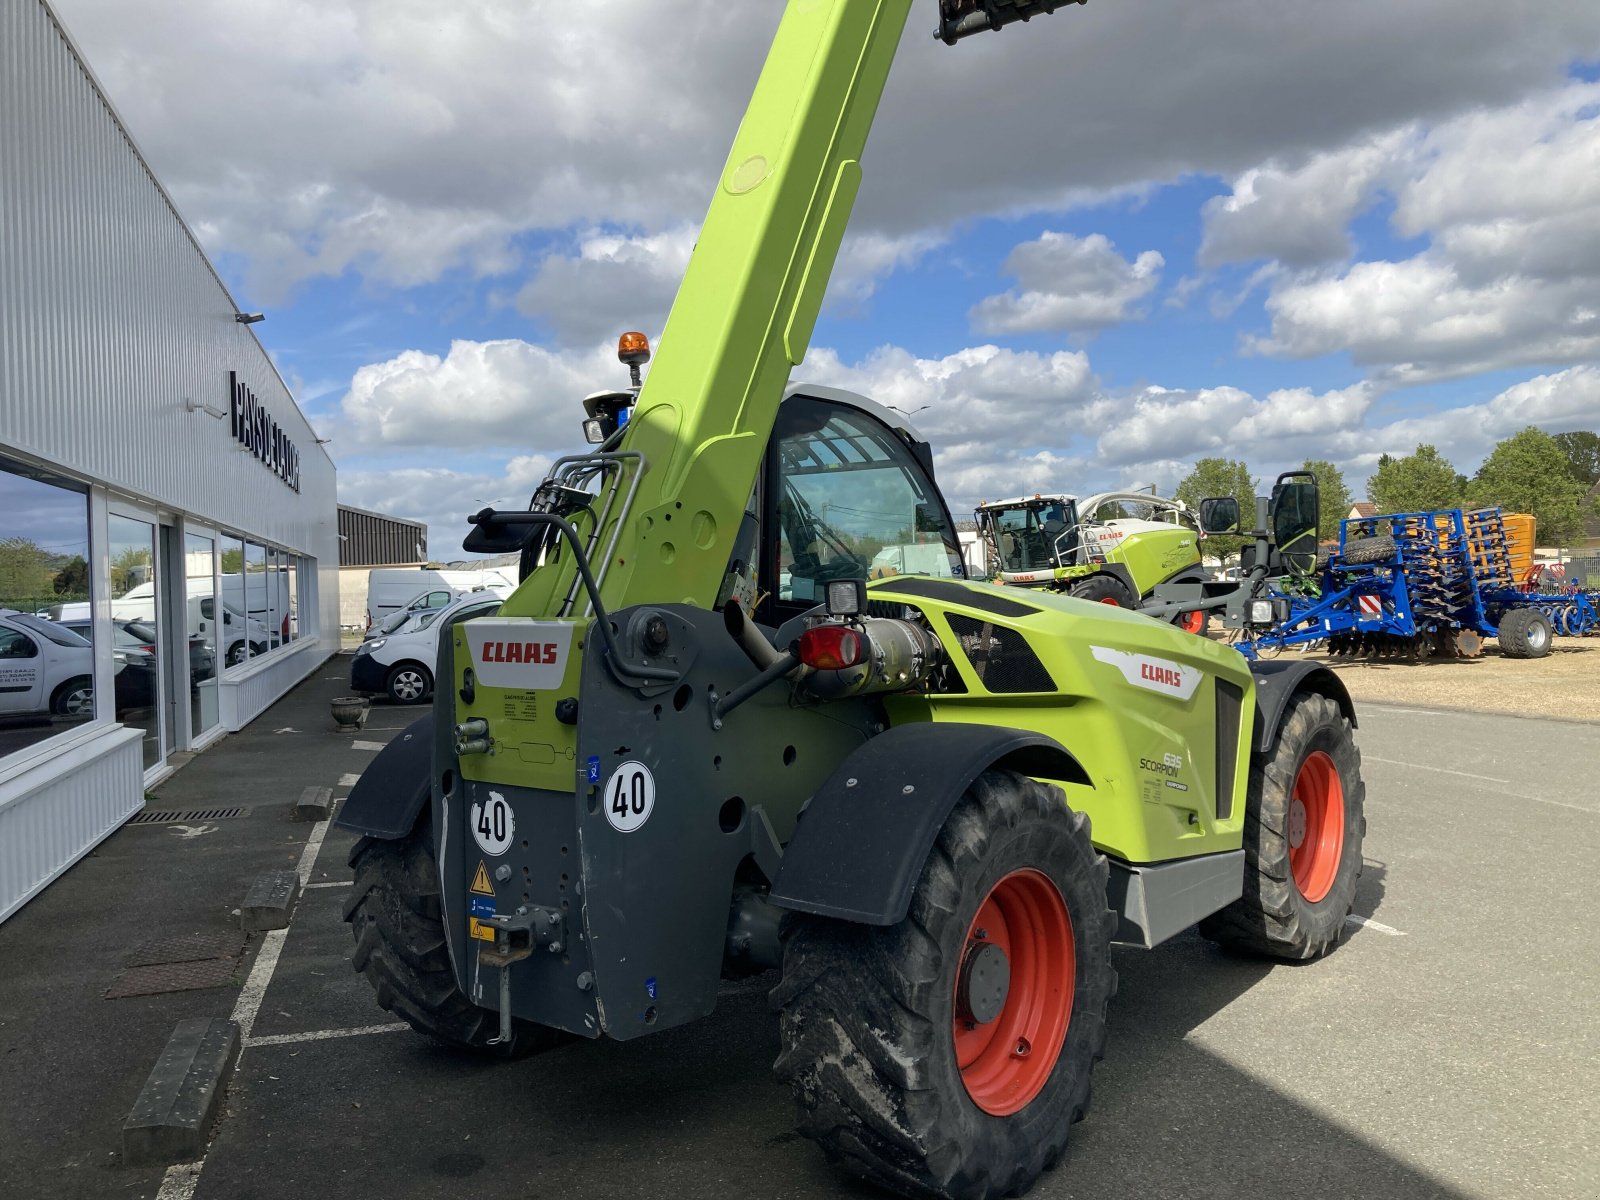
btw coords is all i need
(1565, 684)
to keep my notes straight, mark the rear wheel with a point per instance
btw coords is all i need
(1525, 633)
(1191, 622)
(1304, 821)
(1102, 589)
(409, 683)
(949, 1054)
(398, 925)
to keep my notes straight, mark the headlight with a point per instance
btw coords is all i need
(1261, 612)
(369, 647)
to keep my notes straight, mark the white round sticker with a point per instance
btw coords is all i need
(629, 796)
(494, 825)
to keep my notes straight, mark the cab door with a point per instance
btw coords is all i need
(21, 673)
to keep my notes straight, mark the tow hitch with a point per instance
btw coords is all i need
(516, 936)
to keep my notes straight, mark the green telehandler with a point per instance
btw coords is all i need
(696, 743)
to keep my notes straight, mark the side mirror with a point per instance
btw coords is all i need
(1295, 511)
(1219, 514)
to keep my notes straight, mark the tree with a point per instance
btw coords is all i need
(1582, 450)
(1221, 477)
(1332, 495)
(24, 571)
(73, 578)
(1420, 482)
(1528, 472)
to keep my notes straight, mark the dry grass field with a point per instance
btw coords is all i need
(1565, 684)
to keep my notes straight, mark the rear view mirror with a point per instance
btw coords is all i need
(1219, 514)
(1295, 515)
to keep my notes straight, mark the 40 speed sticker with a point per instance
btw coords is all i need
(629, 796)
(493, 825)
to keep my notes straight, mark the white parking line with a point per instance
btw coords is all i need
(255, 987)
(1395, 762)
(331, 883)
(180, 1181)
(308, 856)
(322, 1035)
(366, 745)
(349, 779)
(1375, 926)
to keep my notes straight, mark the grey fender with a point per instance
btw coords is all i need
(1278, 682)
(391, 792)
(861, 842)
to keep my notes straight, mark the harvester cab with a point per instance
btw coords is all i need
(699, 742)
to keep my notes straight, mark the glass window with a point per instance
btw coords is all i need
(205, 644)
(277, 613)
(291, 572)
(46, 671)
(255, 598)
(235, 625)
(852, 503)
(136, 661)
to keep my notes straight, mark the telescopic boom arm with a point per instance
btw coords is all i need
(744, 313)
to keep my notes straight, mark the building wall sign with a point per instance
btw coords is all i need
(257, 432)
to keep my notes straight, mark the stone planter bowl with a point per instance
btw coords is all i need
(348, 711)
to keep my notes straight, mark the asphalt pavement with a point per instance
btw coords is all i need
(1449, 1048)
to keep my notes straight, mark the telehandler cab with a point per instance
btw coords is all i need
(696, 743)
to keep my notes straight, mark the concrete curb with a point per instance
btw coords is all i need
(180, 1099)
(315, 804)
(270, 901)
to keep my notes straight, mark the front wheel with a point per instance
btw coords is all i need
(949, 1055)
(409, 683)
(1303, 825)
(1102, 589)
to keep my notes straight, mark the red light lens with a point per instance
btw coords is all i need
(832, 647)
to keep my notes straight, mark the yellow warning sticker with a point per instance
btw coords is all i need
(480, 882)
(481, 930)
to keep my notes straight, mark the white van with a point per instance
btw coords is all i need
(390, 589)
(238, 637)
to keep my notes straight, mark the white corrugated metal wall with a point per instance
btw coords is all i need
(111, 318)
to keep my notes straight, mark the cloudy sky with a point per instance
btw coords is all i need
(1087, 251)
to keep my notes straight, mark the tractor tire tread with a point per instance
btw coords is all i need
(401, 949)
(859, 1015)
(1271, 918)
(1368, 550)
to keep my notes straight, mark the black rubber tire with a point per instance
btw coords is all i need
(66, 700)
(866, 1011)
(1525, 633)
(236, 654)
(1368, 550)
(1100, 589)
(409, 683)
(400, 947)
(1272, 918)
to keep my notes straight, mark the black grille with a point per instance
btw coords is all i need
(167, 816)
(1230, 699)
(1000, 657)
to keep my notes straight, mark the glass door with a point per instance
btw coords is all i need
(136, 640)
(201, 622)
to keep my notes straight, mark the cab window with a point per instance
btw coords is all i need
(851, 501)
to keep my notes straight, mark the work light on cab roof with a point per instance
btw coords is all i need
(608, 411)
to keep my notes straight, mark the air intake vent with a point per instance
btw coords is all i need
(166, 816)
(1000, 657)
(1230, 699)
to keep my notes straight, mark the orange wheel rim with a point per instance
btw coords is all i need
(1111, 600)
(1316, 826)
(1193, 622)
(1008, 1037)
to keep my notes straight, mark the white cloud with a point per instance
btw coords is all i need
(1299, 215)
(1509, 199)
(401, 139)
(1068, 284)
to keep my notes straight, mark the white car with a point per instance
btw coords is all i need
(433, 598)
(401, 663)
(44, 668)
